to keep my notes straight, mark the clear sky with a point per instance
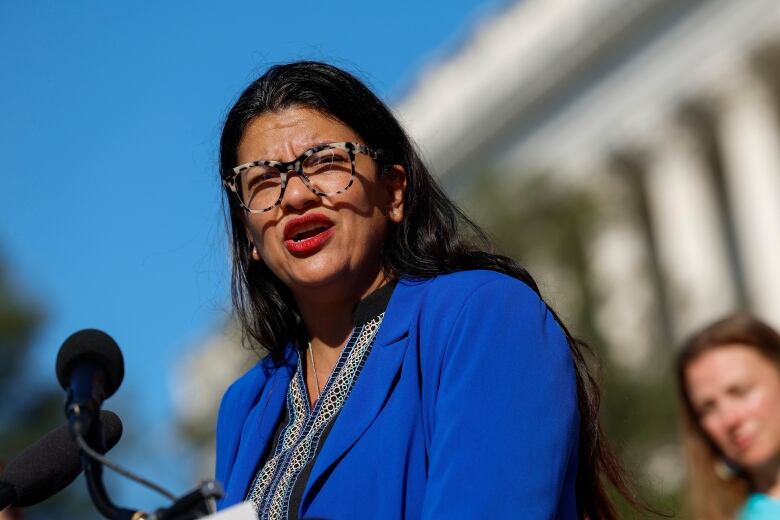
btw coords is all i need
(110, 114)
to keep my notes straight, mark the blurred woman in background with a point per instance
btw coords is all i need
(729, 381)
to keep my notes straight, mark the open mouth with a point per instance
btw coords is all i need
(309, 233)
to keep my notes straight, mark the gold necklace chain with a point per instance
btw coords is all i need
(314, 369)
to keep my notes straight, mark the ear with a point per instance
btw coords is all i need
(394, 178)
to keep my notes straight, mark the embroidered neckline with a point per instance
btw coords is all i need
(300, 438)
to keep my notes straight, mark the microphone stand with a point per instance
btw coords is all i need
(93, 471)
(195, 504)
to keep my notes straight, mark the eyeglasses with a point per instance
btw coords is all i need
(327, 169)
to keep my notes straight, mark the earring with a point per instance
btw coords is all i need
(725, 469)
(396, 215)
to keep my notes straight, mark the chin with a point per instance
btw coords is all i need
(316, 277)
(755, 456)
(312, 281)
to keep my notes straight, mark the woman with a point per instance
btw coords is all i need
(729, 377)
(410, 372)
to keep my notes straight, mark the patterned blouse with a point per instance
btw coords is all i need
(279, 484)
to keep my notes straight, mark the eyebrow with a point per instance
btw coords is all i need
(306, 149)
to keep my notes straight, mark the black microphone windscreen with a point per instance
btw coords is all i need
(48, 466)
(95, 346)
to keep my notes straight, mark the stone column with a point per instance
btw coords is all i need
(750, 144)
(691, 247)
(627, 314)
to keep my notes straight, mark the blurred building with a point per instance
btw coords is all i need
(665, 110)
(197, 385)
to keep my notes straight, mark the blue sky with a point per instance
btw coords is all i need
(110, 211)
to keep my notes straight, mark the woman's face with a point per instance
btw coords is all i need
(735, 392)
(310, 241)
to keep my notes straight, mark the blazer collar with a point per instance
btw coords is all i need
(270, 397)
(372, 386)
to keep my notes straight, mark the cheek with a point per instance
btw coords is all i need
(375, 232)
(712, 428)
(367, 222)
(765, 406)
(364, 241)
(261, 233)
(264, 235)
(258, 229)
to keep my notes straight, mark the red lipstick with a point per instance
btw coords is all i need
(307, 234)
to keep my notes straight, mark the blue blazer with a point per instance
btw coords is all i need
(466, 408)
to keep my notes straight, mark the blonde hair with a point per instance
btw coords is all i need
(713, 496)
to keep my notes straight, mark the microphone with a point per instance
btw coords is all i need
(90, 368)
(48, 466)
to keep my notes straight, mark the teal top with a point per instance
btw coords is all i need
(760, 507)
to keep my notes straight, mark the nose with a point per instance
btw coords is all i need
(297, 194)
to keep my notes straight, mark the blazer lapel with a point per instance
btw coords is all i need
(370, 392)
(259, 428)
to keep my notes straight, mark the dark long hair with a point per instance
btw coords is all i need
(717, 495)
(434, 237)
